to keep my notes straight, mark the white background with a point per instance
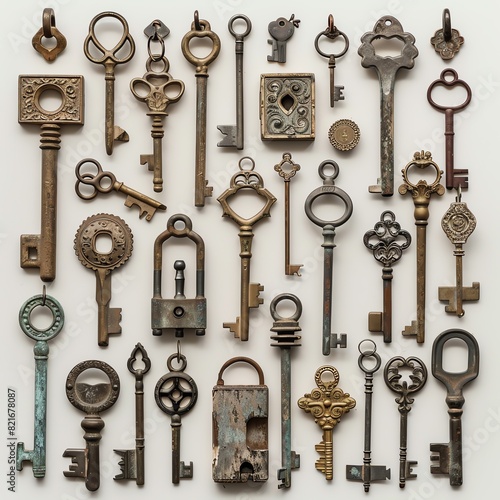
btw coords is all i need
(357, 276)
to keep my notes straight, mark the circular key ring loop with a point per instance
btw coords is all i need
(55, 308)
(280, 298)
(161, 55)
(203, 32)
(188, 225)
(48, 22)
(328, 33)
(94, 180)
(372, 353)
(455, 81)
(421, 165)
(230, 26)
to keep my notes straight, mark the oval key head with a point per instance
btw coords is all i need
(449, 79)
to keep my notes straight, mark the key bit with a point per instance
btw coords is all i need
(115, 229)
(447, 41)
(281, 30)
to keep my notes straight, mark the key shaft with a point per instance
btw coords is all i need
(155, 161)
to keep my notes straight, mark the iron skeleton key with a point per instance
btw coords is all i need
(234, 136)
(449, 455)
(281, 30)
(387, 27)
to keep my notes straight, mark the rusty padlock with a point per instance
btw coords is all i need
(240, 429)
(179, 313)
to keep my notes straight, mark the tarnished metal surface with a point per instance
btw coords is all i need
(41, 353)
(327, 404)
(177, 314)
(449, 455)
(447, 41)
(344, 135)
(287, 106)
(281, 30)
(39, 250)
(240, 429)
(49, 30)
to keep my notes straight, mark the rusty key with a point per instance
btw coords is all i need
(449, 79)
(39, 250)
(387, 27)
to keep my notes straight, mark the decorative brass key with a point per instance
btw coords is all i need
(421, 195)
(39, 250)
(249, 295)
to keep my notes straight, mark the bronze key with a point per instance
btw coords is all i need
(39, 250)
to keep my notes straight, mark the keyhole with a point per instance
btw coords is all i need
(287, 101)
(388, 47)
(49, 100)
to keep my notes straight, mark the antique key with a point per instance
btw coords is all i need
(449, 455)
(291, 168)
(330, 340)
(105, 182)
(332, 32)
(449, 79)
(233, 134)
(387, 241)
(281, 30)
(175, 394)
(405, 391)
(48, 31)
(158, 90)
(285, 337)
(39, 250)
(447, 41)
(387, 27)
(201, 29)
(421, 195)
(92, 399)
(109, 58)
(249, 296)
(106, 227)
(37, 456)
(327, 404)
(367, 472)
(132, 461)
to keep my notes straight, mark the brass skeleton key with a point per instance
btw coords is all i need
(39, 250)
(249, 295)
(421, 195)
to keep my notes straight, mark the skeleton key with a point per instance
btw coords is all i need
(112, 228)
(449, 455)
(285, 337)
(39, 250)
(405, 390)
(387, 241)
(330, 340)
(367, 472)
(201, 29)
(291, 168)
(332, 32)
(132, 461)
(327, 404)
(387, 27)
(455, 177)
(233, 134)
(281, 30)
(109, 59)
(41, 353)
(158, 90)
(92, 399)
(421, 195)
(249, 295)
(105, 182)
(175, 394)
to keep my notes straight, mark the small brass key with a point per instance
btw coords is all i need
(421, 195)
(105, 182)
(249, 296)
(92, 399)
(111, 227)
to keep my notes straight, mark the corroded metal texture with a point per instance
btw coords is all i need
(281, 30)
(447, 41)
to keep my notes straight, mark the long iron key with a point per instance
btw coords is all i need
(132, 461)
(249, 296)
(41, 353)
(39, 250)
(387, 27)
(234, 136)
(175, 394)
(330, 340)
(449, 455)
(115, 229)
(405, 390)
(201, 29)
(421, 195)
(109, 59)
(455, 177)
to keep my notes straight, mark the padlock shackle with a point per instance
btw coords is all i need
(241, 359)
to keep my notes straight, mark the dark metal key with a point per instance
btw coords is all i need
(449, 455)
(281, 30)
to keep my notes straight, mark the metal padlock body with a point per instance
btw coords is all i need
(240, 429)
(179, 313)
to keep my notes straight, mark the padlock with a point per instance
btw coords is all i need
(179, 313)
(240, 429)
